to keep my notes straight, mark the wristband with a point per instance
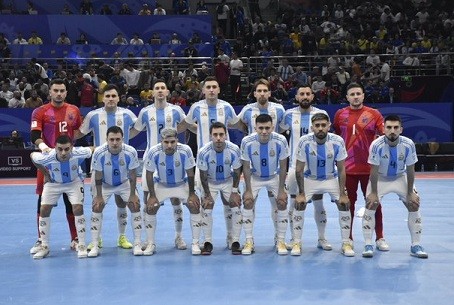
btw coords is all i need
(234, 190)
(42, 146)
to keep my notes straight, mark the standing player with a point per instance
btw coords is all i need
(48, 122)
(320, 169)
(115, 165)
(154, 118)
(264, 155)
(359, 125)
(392, 158)
(297, 120)
(219, 163)
(62, 173)
(170, 173)
(98, 121)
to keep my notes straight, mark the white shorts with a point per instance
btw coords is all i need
(224, 187)
(123, 190)
(394, 185)
(313, 187)
(163, 191)
(271, 185)
(290, 182)
(53, 191)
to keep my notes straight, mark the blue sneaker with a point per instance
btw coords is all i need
(368, 251)
(418, 251)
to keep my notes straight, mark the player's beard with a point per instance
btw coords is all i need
(305, 104)
(321, 135)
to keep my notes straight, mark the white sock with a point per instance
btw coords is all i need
(320, 217)
(196, 219)
(80, 227)
(44, 230)
(248, 223)
(122, 218)
(291, 207)
(274, 213)
(95, 227)
(298, 224)
(237, 219)
(207, 224)
(150, 227)
(228, 219)
(368, 225)
(344, 222)
(136, 221)
(415, 227)
(282, 221)
(178, 219)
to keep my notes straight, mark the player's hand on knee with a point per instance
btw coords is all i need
(248, 199)
(235, 200)
(372, 201)
(282, 199)
(344, 202)
(207, 202)
(300, 202)
(152, 205)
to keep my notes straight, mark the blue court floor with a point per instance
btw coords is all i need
(176, 277)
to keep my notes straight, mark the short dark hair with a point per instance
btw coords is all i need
(63, 139)
(393, 118)
(57, 81)
(109, 87)
(354, 85)
(210, 79)
(114, 129)
(262, 81)
(263, 118)
(218, 125)
(320, 116)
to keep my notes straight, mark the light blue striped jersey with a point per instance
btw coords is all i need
(251, 111)
(320, 159)
(98, 121)
(219, 165)
(205, 115)
(171, 169)
(264, 158)
(66, 171)
(115, 168)
(392, 161)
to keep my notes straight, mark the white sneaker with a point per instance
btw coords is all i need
(180, 244)
(248, 248)
(382, 245)
(150, 249)
(74, 244)
(94, 252)
(82, 251)
(347, 249)
(137, 249)
(296, 249)
(281, 248)
(42, 252)
(36, 247)
(324, 245)
(195, 249)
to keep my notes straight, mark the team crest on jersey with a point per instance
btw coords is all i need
(272, 153)
(168, 119)
(227, 161)
(71, 117)
(177, 163)
(103, 123)
(122, 162)
(119, 123)
(401, 157)
(220, 111)
(330, 155)
(74, 167)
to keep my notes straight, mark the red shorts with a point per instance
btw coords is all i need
(39, 182)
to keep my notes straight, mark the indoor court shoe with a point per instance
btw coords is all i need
(42, 252)
(82, 251)
(90, 245)
(74, 244)
(418, 251)
(137, 250)
(94, 252)
(248, 248)
(281, 248)
(207, 248)
(35, 247)
(150, 249)
(123, 242)
(347, 249)
(180, 244)
(195, 249)
(324, 245)
(236, 248)
(296, 249)
(368, 251)
(382, 245)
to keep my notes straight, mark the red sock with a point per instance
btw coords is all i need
(72, 226)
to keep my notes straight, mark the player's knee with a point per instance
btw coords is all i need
(78, 209)
(119, 202)
(45, 210)
(175, 201)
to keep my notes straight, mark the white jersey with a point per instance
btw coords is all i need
(98, 121)
(219, 165)
(392, 161)
(299, 125)
(251, 111)
(320, 159)
(170, 170)
(66, 171)
(154, 120)
(115, 168)
(205, 115)
(264, 158)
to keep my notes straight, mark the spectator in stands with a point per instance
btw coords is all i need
(201, 8)
(6, 93)
(300, 76)
(285, 70)
(24, 89)
(190, 51)
(5, 53)
(193, 94)
(34, 101)
(105, 10)
(82, 39)
(86, 7)
(236, 67)
(87, 92)
(136, 39)
(42, 88)
(279, 95)
(254, 10)
(125, 10)
(63, 39)
(195, 38)
(222, 74)
(35, 39)
(131, 77)
(14, 141)
(66, 10)
(145, 10)
(176, 98)
(20, 39)
(181, 7)
(3, 39)
(343, 79)
(204, 72)
(222, 13)
(317, 86)
(159, 10)
(119, 40)
(17, 101)
(146, 95)
(174, 39)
